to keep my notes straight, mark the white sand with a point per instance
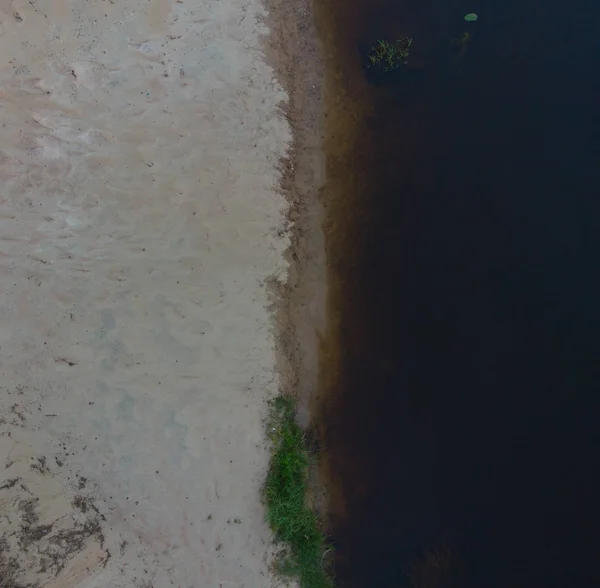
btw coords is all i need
(139, 222)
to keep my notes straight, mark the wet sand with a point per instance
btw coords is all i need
(143, 236)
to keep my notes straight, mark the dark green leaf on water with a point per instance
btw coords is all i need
(471, 17)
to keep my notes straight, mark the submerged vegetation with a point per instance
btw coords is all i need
(294, 524)
(388, 56)
(461, 44)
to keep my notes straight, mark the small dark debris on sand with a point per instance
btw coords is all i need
(40, 466)
(9, 484)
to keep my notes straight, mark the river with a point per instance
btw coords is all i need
(461, 362)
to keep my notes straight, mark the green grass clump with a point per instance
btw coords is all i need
(293, 523)
(389, 56)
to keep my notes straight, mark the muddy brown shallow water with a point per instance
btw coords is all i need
(458, 368)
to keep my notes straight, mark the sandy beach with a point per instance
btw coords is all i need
(142, 230)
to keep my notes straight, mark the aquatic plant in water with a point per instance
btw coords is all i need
(389, 56)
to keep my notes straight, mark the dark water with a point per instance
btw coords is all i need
(464, 420)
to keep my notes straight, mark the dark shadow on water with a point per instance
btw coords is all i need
(463, 421)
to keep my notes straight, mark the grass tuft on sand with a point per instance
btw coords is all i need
(292, 521)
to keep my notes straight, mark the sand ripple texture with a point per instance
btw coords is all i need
(140, 223)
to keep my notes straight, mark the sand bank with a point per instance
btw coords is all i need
(140, 223)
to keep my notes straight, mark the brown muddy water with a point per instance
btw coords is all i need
(460, 367)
